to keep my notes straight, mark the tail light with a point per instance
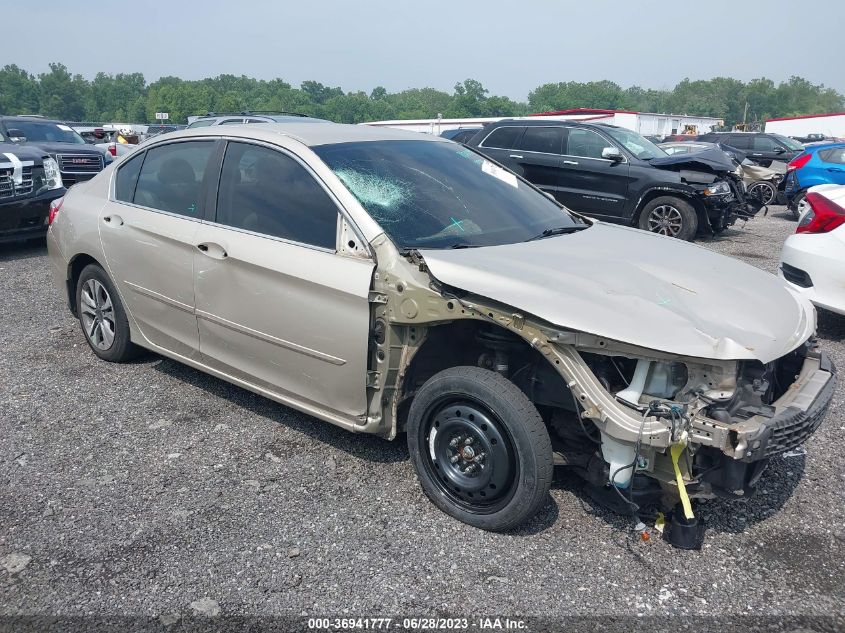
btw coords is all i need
(798, 162)
(113, 149)
(824, 215)
(55, 207)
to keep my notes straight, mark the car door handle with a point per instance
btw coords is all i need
(113, 220)
(213, 250)
(836, 169)
(570, 162)
(516, 155)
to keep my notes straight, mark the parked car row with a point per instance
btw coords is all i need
(393, 282)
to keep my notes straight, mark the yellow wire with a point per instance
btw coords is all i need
(675, 452)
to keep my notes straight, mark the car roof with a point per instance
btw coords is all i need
(544, 122)
(28, 117)
(312, 135)
(814, 147)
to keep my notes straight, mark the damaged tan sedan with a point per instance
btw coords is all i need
(392, 282)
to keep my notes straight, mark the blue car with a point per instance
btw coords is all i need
(819, 164)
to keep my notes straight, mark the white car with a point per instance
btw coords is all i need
(813, 260)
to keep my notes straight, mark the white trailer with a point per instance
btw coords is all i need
(832, 124)
(646, 123)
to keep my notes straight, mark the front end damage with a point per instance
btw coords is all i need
(723, 198)
(649, 427)
(717, 182)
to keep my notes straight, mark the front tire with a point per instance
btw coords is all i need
(102, 316)
(480, 448)
(671, 216)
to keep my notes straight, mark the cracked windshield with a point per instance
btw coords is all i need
(435, 195)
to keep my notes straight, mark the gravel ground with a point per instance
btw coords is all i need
(153, 489)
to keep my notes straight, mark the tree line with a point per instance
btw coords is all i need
(129, 98)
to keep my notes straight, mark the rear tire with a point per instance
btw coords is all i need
(671, 216)
(796, 202)
(102, 316)
(480, 448)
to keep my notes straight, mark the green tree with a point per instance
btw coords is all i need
(62, 95)
(127, 97)
(19, 91)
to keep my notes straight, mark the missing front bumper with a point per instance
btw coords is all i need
(797, 421)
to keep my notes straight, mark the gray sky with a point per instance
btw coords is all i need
(510, 46)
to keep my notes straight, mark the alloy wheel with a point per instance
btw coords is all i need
(764, 190)
(97, 314)
(665, 220)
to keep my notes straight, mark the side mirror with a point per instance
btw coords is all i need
(611, 153)
(16, 136)
(779, 150)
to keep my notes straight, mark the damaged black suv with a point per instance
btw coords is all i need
(616, 175)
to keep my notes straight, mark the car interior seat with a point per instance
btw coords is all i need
(179, 188)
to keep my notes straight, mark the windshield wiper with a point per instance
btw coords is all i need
(560, 230)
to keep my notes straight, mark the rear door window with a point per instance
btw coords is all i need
(835, 155)
(547, 140)
(764, 144)
(127, 178)
(172, 175)
(265, 191)
(503, 137)
(740, 141)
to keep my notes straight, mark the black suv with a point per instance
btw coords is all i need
(616, 175)
(77, 160)
(29, 182)
(759, 147)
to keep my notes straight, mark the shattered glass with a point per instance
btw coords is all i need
(434, 195)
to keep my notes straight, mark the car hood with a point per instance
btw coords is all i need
(21, 152)
(639, 288)
(63, 148)
(712, 160)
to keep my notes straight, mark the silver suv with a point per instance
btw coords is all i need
(393, 282)
(242, 118)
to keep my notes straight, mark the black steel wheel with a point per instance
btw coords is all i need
(470, 455)
(480, 449)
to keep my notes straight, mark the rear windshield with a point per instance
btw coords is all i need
(428, 194)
